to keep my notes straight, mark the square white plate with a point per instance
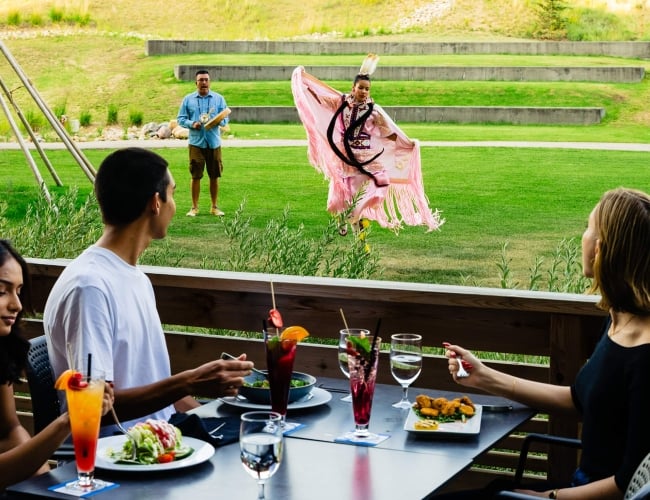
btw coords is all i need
(470, 427)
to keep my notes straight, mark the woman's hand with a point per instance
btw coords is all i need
(470, 362)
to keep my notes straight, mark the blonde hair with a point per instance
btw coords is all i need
(622, 264)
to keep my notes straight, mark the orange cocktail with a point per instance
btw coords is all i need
(84, 396)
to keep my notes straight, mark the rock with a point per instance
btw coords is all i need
(164, 132)
(180, 132)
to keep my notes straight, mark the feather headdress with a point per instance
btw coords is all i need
(369, 64)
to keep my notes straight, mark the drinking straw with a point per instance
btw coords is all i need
(374, 342)
(90, 363)
(68, 348)
(345, 323)
(272, 294)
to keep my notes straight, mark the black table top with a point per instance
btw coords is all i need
(326, 422)
(310, 470)
(314, 467)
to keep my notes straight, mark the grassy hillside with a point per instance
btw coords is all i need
(261, 20)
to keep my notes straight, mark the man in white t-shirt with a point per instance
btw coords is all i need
(104, 305)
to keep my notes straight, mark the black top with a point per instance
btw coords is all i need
(612, 392)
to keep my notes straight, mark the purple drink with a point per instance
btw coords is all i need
(362, 362)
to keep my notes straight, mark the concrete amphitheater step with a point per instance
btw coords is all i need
(634, 50)
(442, 114)
(612, 74)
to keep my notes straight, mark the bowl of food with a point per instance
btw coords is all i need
(256, 387)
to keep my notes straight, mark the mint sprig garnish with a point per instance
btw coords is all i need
(362, 345)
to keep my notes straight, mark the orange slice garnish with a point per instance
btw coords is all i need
(70, 379)
(296, 333)
(62, 382)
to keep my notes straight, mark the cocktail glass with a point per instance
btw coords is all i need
(85, 410)
(363, 374)
(280, 355)
(260, 442)
(343, 352)
(405, 362)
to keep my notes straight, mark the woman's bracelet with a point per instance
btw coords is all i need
(553, 494)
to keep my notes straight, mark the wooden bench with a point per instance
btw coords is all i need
(563, 327)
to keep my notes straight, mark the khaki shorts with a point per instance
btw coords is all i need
(205, 158)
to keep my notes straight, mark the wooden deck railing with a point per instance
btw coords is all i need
(563, 327)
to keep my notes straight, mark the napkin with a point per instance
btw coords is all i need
(199, 428)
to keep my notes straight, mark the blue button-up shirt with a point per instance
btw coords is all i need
(192, 107)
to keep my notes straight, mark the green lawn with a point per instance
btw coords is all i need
(528, 198)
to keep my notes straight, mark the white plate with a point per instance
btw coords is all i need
(320, 397)
(470, 427)
(202, 451)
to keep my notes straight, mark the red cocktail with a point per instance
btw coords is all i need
(362, 362)
(279, 362)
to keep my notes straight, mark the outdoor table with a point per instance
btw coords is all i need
(310, 470)
(325, 423)
(314, 466)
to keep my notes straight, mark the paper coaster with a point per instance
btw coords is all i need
(371, 440)
(76, 492)
(290, 427)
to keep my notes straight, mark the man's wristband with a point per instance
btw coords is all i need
(553, 494)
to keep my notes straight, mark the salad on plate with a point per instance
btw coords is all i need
(157, 442)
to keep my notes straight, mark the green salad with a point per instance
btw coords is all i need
(156, 441)
(264, 383)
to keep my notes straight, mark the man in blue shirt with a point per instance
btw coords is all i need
(197, 113)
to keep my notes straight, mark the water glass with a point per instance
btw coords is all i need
(405, 362)
(343, 352)
(261, 445)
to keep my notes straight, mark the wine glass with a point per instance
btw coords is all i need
(405, 362)
(260, 441)
(343, 352)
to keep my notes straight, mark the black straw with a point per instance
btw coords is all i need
(90, 364)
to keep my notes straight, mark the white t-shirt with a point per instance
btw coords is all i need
(104, 306)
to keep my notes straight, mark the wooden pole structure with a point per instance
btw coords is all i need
(24, 147)
(27, 126)
(78, 155)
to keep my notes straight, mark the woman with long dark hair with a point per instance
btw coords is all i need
(21, 456)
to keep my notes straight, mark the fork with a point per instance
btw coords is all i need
(461, 373)
(134, 450)
(225, 355)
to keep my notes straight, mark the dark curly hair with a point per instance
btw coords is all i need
(13, 347)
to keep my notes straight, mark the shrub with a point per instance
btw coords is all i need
(56, 15)
(136, 118)
(85, 118)
(13, 18)
(35, 120)
(111, 118)
(35, 19)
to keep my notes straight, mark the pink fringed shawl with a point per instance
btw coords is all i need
(403, 201)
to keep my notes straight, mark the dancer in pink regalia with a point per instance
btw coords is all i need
(373, 167)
